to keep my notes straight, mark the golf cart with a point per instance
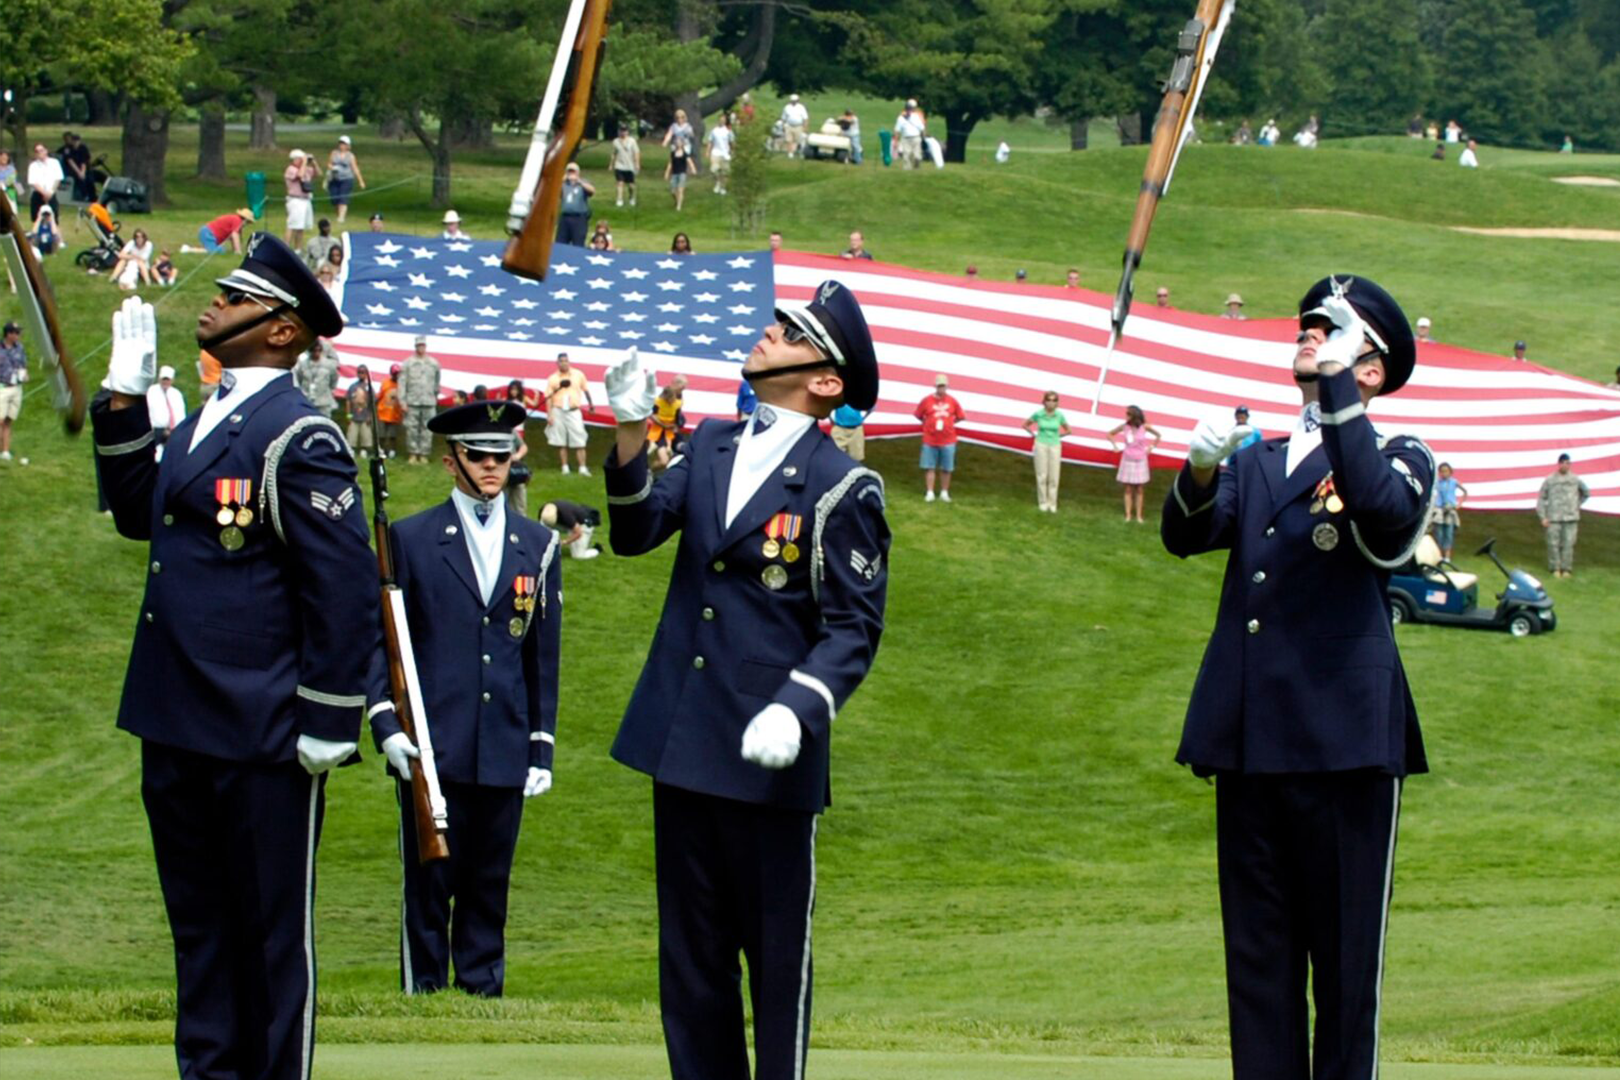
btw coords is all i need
(831, 141)
(1433, 590)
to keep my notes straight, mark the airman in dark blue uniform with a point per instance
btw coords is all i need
(1301, 710)
(243, 684)
(483, 597)
(771, 621)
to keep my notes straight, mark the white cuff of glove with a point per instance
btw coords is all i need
(773, 737)
(538, 782)
(319, 755)
(399, 750)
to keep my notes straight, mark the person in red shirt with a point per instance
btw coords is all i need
(939, 413)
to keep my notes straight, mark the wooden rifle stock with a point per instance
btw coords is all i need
(427, 802)
(70, 395)
(528, 251)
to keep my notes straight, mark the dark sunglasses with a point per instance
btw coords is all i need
(477, 457)
(793, 333)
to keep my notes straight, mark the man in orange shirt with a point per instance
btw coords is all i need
(390, 412)
(208, 371)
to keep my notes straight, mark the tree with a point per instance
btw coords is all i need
(964, 60)
(1491, 70)
(446, 63)
(131, 46)
(644, 71)
(1374, 90)
(1267, 65)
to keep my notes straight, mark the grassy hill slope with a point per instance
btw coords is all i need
(1013, 862)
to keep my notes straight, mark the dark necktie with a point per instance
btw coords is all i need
(483, 510)
(764, 417)
(1313, 416)
(227, 383)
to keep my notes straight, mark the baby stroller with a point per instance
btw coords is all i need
(103, 255)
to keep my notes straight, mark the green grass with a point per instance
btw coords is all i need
(1013, 864)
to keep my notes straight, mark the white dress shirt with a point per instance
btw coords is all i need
(483, 538)
(1307, 436)
(245, 382)
(770, 434)
(166, 407)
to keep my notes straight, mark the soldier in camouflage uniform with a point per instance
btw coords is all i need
(1559, 507)
(316, 374)
(419, 386)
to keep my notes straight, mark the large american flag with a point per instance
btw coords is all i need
(1499, 422)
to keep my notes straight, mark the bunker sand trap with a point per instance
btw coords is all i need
(1588, 181)
(1610, 235)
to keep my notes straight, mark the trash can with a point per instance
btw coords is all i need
(886, 137)
(255, 194)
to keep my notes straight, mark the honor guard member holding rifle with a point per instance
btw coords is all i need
(242, 683)
(483, 597)
(1301, 711)
(772, 619)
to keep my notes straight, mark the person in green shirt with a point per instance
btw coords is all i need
(1048, 425)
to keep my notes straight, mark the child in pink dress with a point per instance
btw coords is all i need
(1140, 438)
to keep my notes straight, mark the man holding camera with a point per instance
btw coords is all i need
(566, 390)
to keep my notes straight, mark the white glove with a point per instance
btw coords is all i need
(631, 391)
(133, 366)
(399, 750)
(319, 755)
(1209, 447)
(772, 738)
(1348, 336)
(538, 783)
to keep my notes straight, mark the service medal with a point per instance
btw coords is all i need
(244, 517)
(790, 552)
(230, 538)
(1325, 536)
(515, 627)
(1316, 506)
(224, 517)
(774, 577)
(771, 549)
(1334, 504)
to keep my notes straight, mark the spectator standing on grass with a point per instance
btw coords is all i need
(568, 395)
(849, 431)
(1469, 159)
(775, 241)
(76, 161)
(165, 406)
(8, 179)
(909, 128)
(575, 214)
(358, 401)
(13, 373)
(1140, 439)
(1048, 426)
(721, 139)
(517, 480)
(45, 178)
(680, 130)
(321, 377)
(1071, 280)
(452, 227)
(857, 247)
(1519, 348)
(1003, 152)
(376, 222)
(680, 244)
(320, 245)
(342, 174)
(795, 120)
(1568, 147)
(1453, 131)
(1269, 133)
(134, 264)
(390, 413)
(299, 179)
(626, 165)
(1448, 500)
(1234, 307)
(939, 413)
(1162, 297)
(419, 381)
(1559, 507)
(1424, 326)
(601, 237)
(665, 424)
(675, 172)
(971, 272)
(851, 126)
(1240, 417)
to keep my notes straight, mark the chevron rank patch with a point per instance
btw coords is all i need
(867, 568)
(333, 507)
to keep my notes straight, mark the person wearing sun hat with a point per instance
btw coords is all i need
(261, 588)
(770, 623)
(1301, 711)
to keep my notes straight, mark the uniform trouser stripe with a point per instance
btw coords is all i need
(309, 923)
(406, 975)
(800, 1049)
(1383, 926)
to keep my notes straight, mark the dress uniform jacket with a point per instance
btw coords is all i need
(727, 644)
(1301, 673)
(237, 653)
(490, 695)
